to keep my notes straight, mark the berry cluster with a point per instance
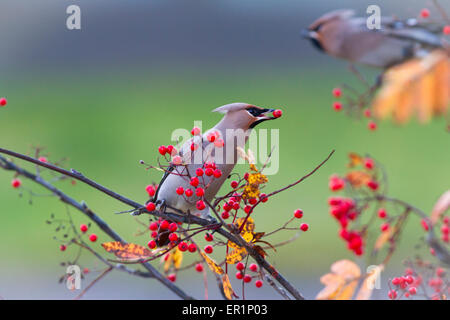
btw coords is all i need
(421, 275)
(247, 278)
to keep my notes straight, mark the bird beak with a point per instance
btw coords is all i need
(267, 115)
(308, 34)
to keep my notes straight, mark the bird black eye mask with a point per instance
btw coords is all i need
(256, 112)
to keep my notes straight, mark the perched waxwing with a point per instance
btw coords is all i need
(217, 149)
(340, 34)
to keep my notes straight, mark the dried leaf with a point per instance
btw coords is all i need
(127, 251)
(365, 291)
(227, 288)
(212, 264)
(355, 160)
(421, 85)
(249, 224)
(341, 283)
(358, 178)
(236, 255)
(441, 206)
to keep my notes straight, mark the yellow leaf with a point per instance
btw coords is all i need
(236, 255)
(227, 288)
(365, 291)
(341, 283)
(249, 224)
(127, 251)
(212, 264)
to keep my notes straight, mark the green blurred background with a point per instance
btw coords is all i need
(105, 97)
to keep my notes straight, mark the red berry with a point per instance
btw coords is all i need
(3, 102)
(211, 137)
(219, 143)
(86, 270)
(93, 237)
(337, 106)
(425, 13)
(373, 185)
(397, 281)
(336, 183)
(150, 206)
(239, 275)
(258, 283)
(209, 171)
(199, 267)
(217, 173)
(83, 228)
(180, 190)
(225, 215)
(382, 213)
(43, 159)
(151, 244)
(171, 150)
(248, 209)
(392, 294)
(195, 131)
(62, 247)
(234, 184)
(369, 163)
(304, 227)
(164, 225)
(200, 205)
(150, 190)
(384, 227)
(337, 92)
(246, 175)
(298, 213)
(154, 234)
(173, 227)
(192, 247)
(177, 160)
(194, 182)
(247, 278)
(173, 237)
(367, 113)
(194, 146)
(372, 126)
(425, 225)
(153, 226)
(172, 277)
(277, 113)
(182, 246)
(240, 266)
(199, 192)
(209, 249)
(162, 150)
(253, 267)
(446, 30)
(189, 193)
(209, 237)
(263, 197)
(16, 183)
(412, 290)
(199, 172)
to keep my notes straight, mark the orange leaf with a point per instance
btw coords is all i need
(358, 178)
(127, 251)
(212, 264)
(227, 288)
(355, 159)
(341, 283)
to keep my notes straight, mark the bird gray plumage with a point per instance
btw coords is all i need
(238, 118)
(339, 33)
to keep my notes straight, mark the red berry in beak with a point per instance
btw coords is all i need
(277, 113)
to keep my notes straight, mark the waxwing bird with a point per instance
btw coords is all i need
(217, 149)
(340, 34)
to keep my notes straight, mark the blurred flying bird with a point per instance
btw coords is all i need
(340, 34)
